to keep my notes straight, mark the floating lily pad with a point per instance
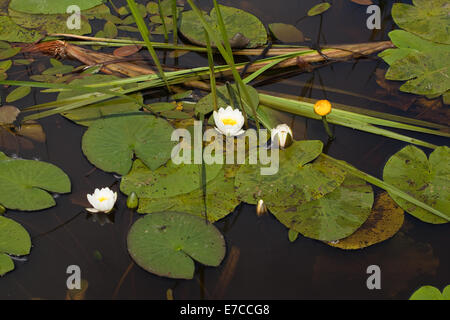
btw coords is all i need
(22, 184)
(15, 240)
(431, 293)
(167, 244)
(422, 63)
(50, 6)
(235, 20)
(286, 32)
(167, 181)
(205, 104)
(427, 180)
(384, 222)
(335, 216)
(426, 18)
(319, 9)
(11, 31)
(17, 94)
(110, 143)
(221, 199)
(87, 115)
(296, 181)
(49, 23)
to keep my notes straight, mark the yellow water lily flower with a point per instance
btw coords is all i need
(282, 134)
(322, 107)
(228, 121)
(102, 200)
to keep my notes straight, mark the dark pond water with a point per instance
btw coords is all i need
(268, 266)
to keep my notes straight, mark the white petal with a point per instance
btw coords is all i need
(92, 210)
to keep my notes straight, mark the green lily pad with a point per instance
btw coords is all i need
(334, 216)
(15, 240)
(235, 20)
(167, 181)
(50, 6)
(12, 32)
(426, 18)
(110, 143)
(87, 115)
(384, 222)
(296, 181)
(286, 32)
(422, 63)
(205, 104)
(167, 244)
(49, 23)
(221, 199)
(431, 293)
(17, 94)
(428, 180)
(319, 9)
(22, 184)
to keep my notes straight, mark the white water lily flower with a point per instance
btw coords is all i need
(228, 121)
(102, 200)
(281, 134)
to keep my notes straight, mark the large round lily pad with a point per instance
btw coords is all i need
(384, 222)
(167, 181)
(23, 184)
(426, 18)
(51, 6)
(296, 181)
(220, 196)
(15, 240)
(336, 215)
(110, 143)
(426, 180)
(235, 20)
(167, 243)
(11, 31)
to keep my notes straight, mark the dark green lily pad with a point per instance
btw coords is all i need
(235, 20)
(110, 143)
(286, 32)
(49, 23)
(221, 199)
(15, 240)
(167, 243)
(167, 181)
(427, 180)
(426, 18)
(87, 115)
(22, 184)
(205, 104)
(296, 181)
(334, 216)
(50, 6)
(431, 293)
(12, 32)
(422, 63)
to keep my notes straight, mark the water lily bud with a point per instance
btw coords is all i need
(132, 201)
(261, 208)
(2, 209)
(282, 134)
(322, 107)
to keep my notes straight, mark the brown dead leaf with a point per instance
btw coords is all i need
(8, 114)
(384, 222)
(127, 50)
